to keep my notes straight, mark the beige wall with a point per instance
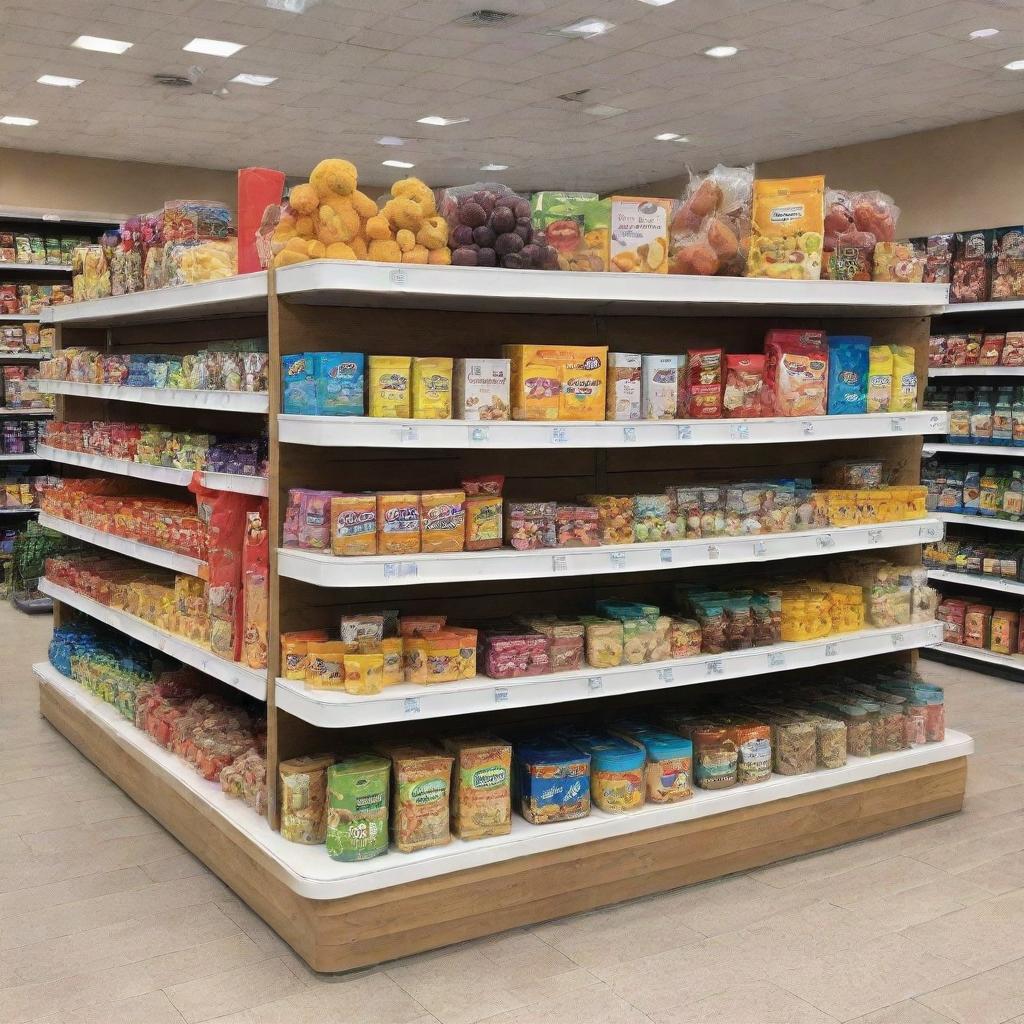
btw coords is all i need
(948, 179)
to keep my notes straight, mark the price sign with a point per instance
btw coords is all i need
(410, 433)
(739, 432)
(411, 706)
(500, 695)
(713, 551)
(776, 660)
(831, 650)
(479, 434)
(595, 684)
(898, 424)
(826, 540)
(684, 432)
(617, 559)
(665, 674)
(874, 536)
(401, 570)
(559, 435)
(558, 563)
(397, 278)
(760, 548)
(898, 639)
(713, 667)
(628, 434)
(666, 556)
(807, 427)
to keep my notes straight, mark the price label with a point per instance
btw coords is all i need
(397, 278)
(713, 551)
(935, 422)
(928, 532)
(739, 432)
(617, 559)
(401, 570)
(500, 695)
(684, 432)
(760, 548)
(826, 540)
(558, 563)
(666, 556)
(713, 667)
(595, 684)
(628, 434)
(411, 705)
(807, 426)
(898, 424)
(410, 433)
(479, 434)
(665, 674)
(874, 536)
(559, 435)
(776, 660)
(831, 650)
(898, 639)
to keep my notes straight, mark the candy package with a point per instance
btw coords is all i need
(1008, 268)
(255, 589)
(848, 374)
(880, 378)
(339, 383)
(432, 387)
(903, 397)
(660, 386)
(787, 225)
(354, 524)
(744, 386)
(388, 386)
(972, 257)
(796, 373)
(704, 383)
(624, 386)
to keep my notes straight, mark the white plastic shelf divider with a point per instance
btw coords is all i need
(975, 371)
(24, 357)
(372, 432)
(18, 318)
(28, 457)
(124, 546)
(49, 268)
(163, 474)
(1003, 451)
(984, 521)
(231, 672)
(1009, 661)
(308, 871)
(958, 308)
(226, 401)
(410, 702)
(325, 570)
(245, 294)
(969, 579)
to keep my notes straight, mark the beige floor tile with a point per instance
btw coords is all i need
(590, 1006)
(252, 924)
(42, 897)
(910, 1011)
(895, 911)
(998, 876)
(178, 865)
(817, 866)
(231, 991)
(760, 1003)
(151, 1008)
(988, 998)
(1000, 801)
(883, 878)
(858, 981)
(963, 856)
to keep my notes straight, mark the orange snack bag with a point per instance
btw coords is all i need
(398, 523)
(483, 522)
(295, 650)
(442, 520)
(414, 658)
(325, 666)
(354, 524)
(420, 625)
(394, 669)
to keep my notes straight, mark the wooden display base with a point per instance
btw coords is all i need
(372, 927)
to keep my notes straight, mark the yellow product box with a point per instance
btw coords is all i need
(558, 382)
(389, 386)
(638, 238)
(432, 387)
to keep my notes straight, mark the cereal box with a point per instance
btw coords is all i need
(481, 786)
(660, 387)
(558, 382)
(483, 522)
(388, 386)
(432, 387)
(482, 389)
(442, 520)
(398, 523)
(639, 235)
(339, 383)
(624, 401)
(354, 524)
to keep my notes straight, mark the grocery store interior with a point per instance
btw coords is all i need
(511, 515)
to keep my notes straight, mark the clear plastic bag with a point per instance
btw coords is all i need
(854, 223)
(710, 228)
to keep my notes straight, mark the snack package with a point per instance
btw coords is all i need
(339, 383)
(364, 673)
(660, 386)
(1008, 267)
(298, 384)
(255, 588)
(903, 395)
(551, 382)
(398, 523)
(442, 520)
(710, 227)
(880, 366)
(624, 387)
(421, 785)
(357, 808)
(303, 796)
(388, 386)
(638, 239)
(481, 802)
(897, 261)
(855, 222)
(972, 256)
(787, 225)
(938, 259)
(575, 225)
(325, 665)
(482, 389)
(796, 373)
(992, 346)
(484, 515)
(744, 386)
(703, 384)
(432, 387)
(354, 524)
(848, 374)
(1013, 349)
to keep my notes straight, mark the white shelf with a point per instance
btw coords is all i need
(231, 672)
(28, 457)
(24, 413)
(373, 432)
(1010, 661)
(341, 283)
(958, 308)
(325, 570)
(988, 522)
(308, 870)
(24, 357)
(979, 450)
(162, 474)
(975, 371)
(410, 702)
(125, 546)
(969, 579)
(18, 318)
(49, 268)
(224, 401)
(18, 511)
(243, 295)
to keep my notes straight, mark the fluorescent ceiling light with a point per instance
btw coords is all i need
(51, 216)
(441, 122)
(390, 140)
(397, 163)
(213, 47)
(101, 45)
(983, 33)
(254, 79)
(21, 122)
(722, 51)
(588, 27)
(291, 6)
(657, 3)
(600, 110)
(67, 83)
(668, 137)
(494, 167)
(1015, 65)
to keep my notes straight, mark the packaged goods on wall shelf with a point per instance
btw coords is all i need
(25, 247)
(980, 265)
(20, 437)
(26, 338)
(990, 490)
(29, 299)
(981, 416)
(976, 348)
(21, 490)
(981, 626)
(20, 392)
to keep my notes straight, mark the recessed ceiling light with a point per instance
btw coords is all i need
(600, 110)
(101, 45)
(983, 33)
(722, 51)
(67, 83)
(397, 163)
(213, 47)
(291, 6)
(441, 122)
(1015, 65)
(21, 122)
(588, 27)
(254, 79)
(657, 3)
(390, 140)
(494, 167)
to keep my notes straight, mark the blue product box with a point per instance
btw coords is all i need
(298, 384)
(340, 380)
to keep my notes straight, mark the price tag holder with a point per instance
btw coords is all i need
(776, 660)
(410, 433)
(826, 540)
(935, 423)
(874, 536)
(628, 435)
(898, 639)
(898, 424)
(559, 435)
(595, 684)
(760, 548)
(397, 278)
(617, 559)
(411, 706)
(807, 426)
(713, 552)
(558, 563)
(401, 570)
(684, 432)
(666, 556)
(929, 532)
(500, 695)
(739, 431)
(479, 434)
(713, 667)
(831, 650)
(665, 674)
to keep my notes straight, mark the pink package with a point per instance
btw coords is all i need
(313, 520)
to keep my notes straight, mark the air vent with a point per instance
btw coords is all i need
(574, 97)
(485, 16)
(173, 81)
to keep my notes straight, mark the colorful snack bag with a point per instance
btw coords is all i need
(354, 524)
(314, 520)
(339, 383)
(796, 373)
(744, 386)
(364, 673)
(660, 386)
(357, 808)
(624, 400)
(639, 235)
(897, 261)
(558, 382)
(483, 522)
(442, 520)
(970, 279)
(903, 397)
(298, 384)
(398, 523)
(432, 387)
(530, 524)
(481, 803)
(482, 389)
(421, 787)
(787, 227)
(991, 350)
(704, 384)
(388, 385)
(325, 665)
(295, 651)
(848, 374)
(303, 795)
(255, 589)
(576, 526)
(880, 363)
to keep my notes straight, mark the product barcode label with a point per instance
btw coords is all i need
(897, 424)
(594, 683)
(898, 639)
(558, 563)
(739, 432)
(500, 695)
(410, 433)
(928, 532)
(411, 705)
(684, 432)
(559, 435)
(666, 556)
(397, 278)
(617, 559)
(713, 667)
(400, 570)
(831, 650)
(776, 660)
(665, 675)
(935, 422)
(479, 434)
(713, 551)
(874, 536)
(628, 434)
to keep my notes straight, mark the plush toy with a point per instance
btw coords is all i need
(333, 178)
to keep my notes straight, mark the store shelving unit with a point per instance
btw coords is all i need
(220, 401)
(978, 452)
(339, 916)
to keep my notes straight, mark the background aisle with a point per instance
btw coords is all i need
(106, 918)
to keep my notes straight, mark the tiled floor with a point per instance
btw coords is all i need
(105, 919)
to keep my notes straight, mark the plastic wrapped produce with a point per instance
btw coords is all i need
(854, 223)
(194, 261)
(710, 226)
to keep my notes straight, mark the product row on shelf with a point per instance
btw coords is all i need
(991, 490)
(995, 628)
(981, 415)
(28, 299)
(20, 489)
(27, 247)
(800, 373)
(20, 437)
(20, 391)
(26, 339)
(976, 349)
